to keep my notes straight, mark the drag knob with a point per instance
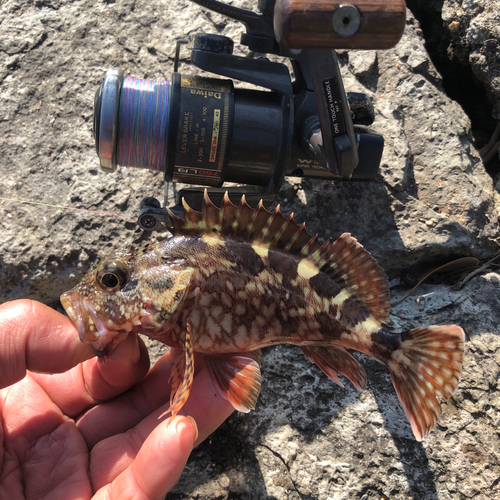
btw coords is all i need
(212, 43)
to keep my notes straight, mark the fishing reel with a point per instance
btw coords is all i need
(205, 132)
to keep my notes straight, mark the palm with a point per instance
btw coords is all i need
(71, 434)
(44, 453)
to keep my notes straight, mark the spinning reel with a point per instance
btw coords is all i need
(204, 132)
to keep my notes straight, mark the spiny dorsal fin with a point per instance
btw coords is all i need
(227, 216)
(242, 222)
(344, 260)
(209, 214)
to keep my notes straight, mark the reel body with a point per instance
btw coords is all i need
(203, 131)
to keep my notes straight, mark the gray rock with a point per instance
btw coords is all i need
(475, 40)
(432, 201)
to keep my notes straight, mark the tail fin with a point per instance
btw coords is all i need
(426, 366)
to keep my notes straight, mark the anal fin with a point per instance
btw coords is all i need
(237, 377)
(426, 366)
(335, 359)
(182, 376)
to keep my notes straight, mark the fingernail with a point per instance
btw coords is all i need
(182, 424)
(195, 427)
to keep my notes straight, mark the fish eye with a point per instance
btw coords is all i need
(109, 280)
(113, 275)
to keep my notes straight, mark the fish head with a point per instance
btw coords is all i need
(133, 290)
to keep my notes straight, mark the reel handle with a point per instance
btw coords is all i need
(322, 24)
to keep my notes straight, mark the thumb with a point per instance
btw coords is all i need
(35, 337)
(158, 465)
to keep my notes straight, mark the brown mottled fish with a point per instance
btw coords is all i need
(234, 280)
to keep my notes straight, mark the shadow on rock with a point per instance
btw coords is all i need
(232, 468)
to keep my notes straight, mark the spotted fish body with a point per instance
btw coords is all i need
(234, 280)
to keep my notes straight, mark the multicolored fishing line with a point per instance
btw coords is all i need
(143, 119)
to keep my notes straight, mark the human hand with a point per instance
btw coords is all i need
(78, 427)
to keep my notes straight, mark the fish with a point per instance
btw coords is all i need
(233, 280)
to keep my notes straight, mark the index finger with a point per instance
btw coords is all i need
(37, 338)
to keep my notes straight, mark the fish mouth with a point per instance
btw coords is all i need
(91, 328)
(73, 306)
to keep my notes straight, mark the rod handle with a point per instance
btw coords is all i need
(322, 24)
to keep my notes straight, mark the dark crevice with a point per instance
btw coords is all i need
(459, 81)
(281, 459)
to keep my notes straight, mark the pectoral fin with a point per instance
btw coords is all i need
(335, 359)
(237, 378)
(182, 376)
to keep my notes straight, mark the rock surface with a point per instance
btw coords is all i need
(475, 41)
(433, 201)
(462, 40)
